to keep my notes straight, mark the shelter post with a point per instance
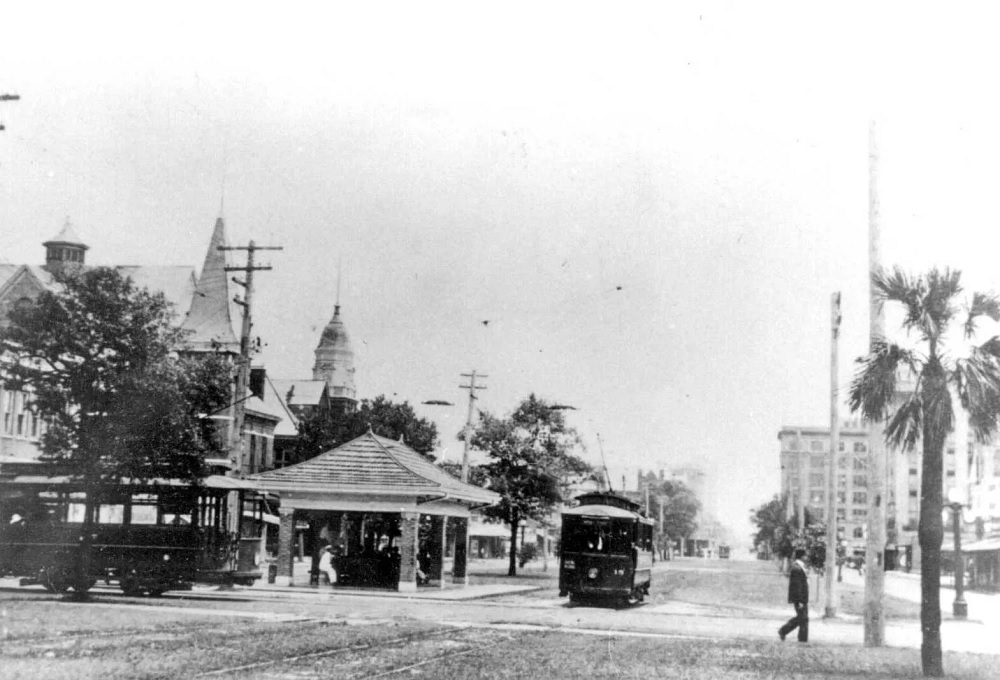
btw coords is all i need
(286, 544)
(461, 550)
(409, 534)
(440, 524)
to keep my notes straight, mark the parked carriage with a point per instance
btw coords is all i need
(148, 537)
(606, 550)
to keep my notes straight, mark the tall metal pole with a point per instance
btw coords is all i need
(874, 619)
(472, 387)
(832, 602)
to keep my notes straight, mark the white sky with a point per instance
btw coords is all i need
(520, 165)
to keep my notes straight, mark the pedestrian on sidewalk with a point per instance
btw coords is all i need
(326, 565)
(798, 597)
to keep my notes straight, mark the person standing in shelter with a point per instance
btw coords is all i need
(326, 565)
(798, 597)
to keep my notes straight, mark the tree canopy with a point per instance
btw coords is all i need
(679, 511)
(322, 431)
(778, 533)
(96, 355)
(911, 388)
(530, 462)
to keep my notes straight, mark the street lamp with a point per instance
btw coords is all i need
(959, 608)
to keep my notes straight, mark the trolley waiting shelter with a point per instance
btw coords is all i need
(390, 515)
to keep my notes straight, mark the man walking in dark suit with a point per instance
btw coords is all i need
(798, 597)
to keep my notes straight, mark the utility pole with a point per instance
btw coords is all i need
(874, 568)
(8, 98)
(804, 461)
(831, 462)
(472, 387)
(243, 363)
(663, 535)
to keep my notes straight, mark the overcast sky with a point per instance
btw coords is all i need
(651, 208)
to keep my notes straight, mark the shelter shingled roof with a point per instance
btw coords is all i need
(372, 464)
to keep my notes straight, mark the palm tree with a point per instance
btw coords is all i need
(924, 412)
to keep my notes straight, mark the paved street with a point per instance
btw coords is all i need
(499, 605)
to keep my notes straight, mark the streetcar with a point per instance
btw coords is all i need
(147, 537)
(606, 550)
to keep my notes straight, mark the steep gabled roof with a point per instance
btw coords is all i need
(372, 464)
(210, 319)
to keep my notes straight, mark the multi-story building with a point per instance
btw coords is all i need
(804, 455)
(971, 470)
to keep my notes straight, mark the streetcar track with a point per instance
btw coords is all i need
(439, 657)
(402, 639)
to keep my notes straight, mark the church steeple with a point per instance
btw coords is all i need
(335, 360)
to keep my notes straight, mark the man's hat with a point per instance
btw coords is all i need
(15, 518)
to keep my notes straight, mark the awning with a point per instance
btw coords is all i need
(489, 530)
(986, 545)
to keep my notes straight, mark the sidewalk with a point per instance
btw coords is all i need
(448, 591)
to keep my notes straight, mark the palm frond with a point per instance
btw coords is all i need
(983, 304)
(978, 381)
(938, 301)
(906, 425)
(874, 384)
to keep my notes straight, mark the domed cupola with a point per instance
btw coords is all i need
(335, 363)
(65, 249)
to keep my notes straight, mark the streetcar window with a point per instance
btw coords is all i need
(110, 513)
(75, 512)
(143, 514)
(144, 508)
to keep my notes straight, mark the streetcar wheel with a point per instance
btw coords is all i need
(54, 579)
(130, 585)
(84, 586)
(156, 592)
(633, 598)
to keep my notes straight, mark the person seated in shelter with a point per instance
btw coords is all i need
(326, 565)
(423, 568)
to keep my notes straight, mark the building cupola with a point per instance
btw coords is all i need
(335, 363)
(64, 250)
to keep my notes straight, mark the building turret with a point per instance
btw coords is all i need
(64, 249)
(335, 364)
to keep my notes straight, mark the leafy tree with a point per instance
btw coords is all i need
(778, 534)
(530, 464)
(97, 355)
(924, 412)
(322, 431)
(679, 512)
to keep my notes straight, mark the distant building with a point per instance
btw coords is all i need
(710, 533)
(803, 459)
(972, 469)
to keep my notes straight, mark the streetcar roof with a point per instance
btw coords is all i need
(605, 512)
(211, 482)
